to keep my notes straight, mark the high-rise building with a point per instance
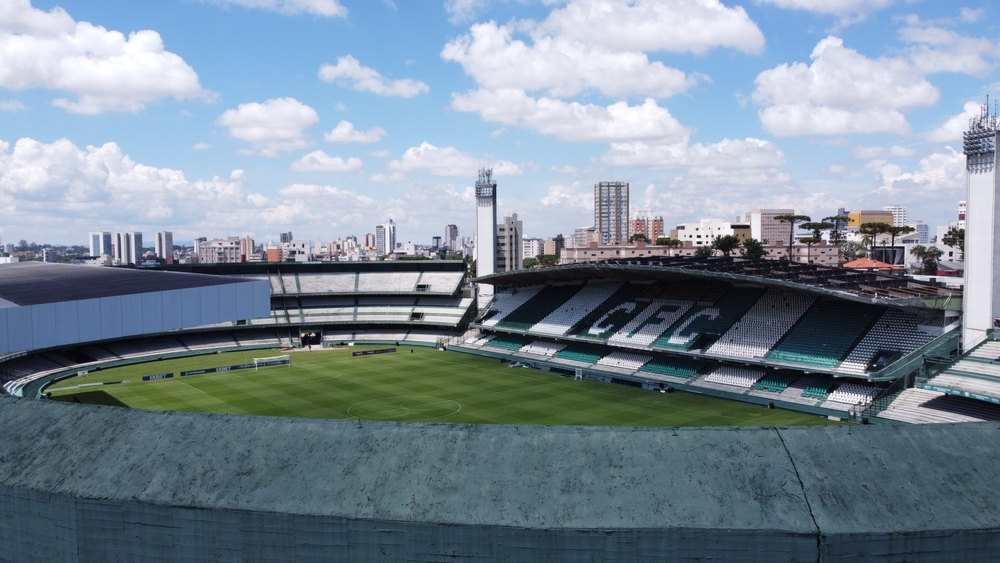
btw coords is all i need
(532, 247)
(857, 218)
(451, 237)
(246, 248)
(385, 238)
(554, 246)
(486, 227)
(922, 231)
(510, 247)
(436, 242)
(648, 225)
(583, 236)
(286, 237)
(980, 302)
(369, 240)
(164, 244)
(100, 244)
(898, 214)
(961, 215)
(219, 251)
(127, 247)
(611, 211)
(766, 228)
(49, 255)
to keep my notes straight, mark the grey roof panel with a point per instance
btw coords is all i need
(35, 283)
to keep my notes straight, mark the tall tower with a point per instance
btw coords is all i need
(981, 305)
(486, 226)
(611, 211)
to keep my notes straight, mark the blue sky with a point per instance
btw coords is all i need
(326, 117)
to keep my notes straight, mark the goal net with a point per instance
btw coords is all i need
(285, 360)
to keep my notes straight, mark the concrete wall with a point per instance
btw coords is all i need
(85, 483)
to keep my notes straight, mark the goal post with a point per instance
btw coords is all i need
(285, 360)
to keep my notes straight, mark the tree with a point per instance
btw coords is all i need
(929, 258)
(872, 231)
(704, 251)
(548, 259)
(471, 268)
(955, 237)
(753, 248)
(792, 220)
(851, 251)
(668, 242)
(896, 231)
(817, 228)
(530, 263)
(836, 236)
(636, 237)
(726, 244)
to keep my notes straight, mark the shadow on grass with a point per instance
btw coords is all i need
(91, 398)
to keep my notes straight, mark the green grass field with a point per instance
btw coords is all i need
(426, 385)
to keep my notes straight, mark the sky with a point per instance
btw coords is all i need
(326, 117)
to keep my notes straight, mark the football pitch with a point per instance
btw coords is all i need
(422, 385)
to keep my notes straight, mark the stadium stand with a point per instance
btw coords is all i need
(895, 331)
(567, 315)
(825, 333)
(763, 325)
(539, 306)
(775, 382)
(396, 282)
(507, 342)
(505, 303)
(704, 319)
(542, 348)
(953, 381)
(624, 360)
(736, 376)
(654, 319)
(581, 353)
(675, 367)
(922, 406)
(326, 283)
(613, 313)
(989, 351)
(818, 389)
(854, 394)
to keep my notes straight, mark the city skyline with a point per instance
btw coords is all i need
(237, 117)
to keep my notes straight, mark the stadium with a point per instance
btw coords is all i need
(581, 466)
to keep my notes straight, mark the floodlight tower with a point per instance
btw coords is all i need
(486, 226)
(981, 304)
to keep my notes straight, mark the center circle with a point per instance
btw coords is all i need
(410, 408)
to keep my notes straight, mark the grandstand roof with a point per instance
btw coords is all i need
(36, 283)
(844, 489)
(868, 287)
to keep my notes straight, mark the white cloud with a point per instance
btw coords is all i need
(572, 197)
(968, 15)
(463, 10)
(383, 178)
(941, 176)
(572, 121)
(327, 8)
(384, 153)
(448, 161)
(868, 153)
(841, 91)
(683, 26)
(848, 10)
(345, 132)
(349, 72)
(561, 66)
(11, 106)
(787, 120)
(935, 49)
(273, 126)
(201, 146)
(728, 154)
(104, 69)
(319, 161)
(952, 129)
